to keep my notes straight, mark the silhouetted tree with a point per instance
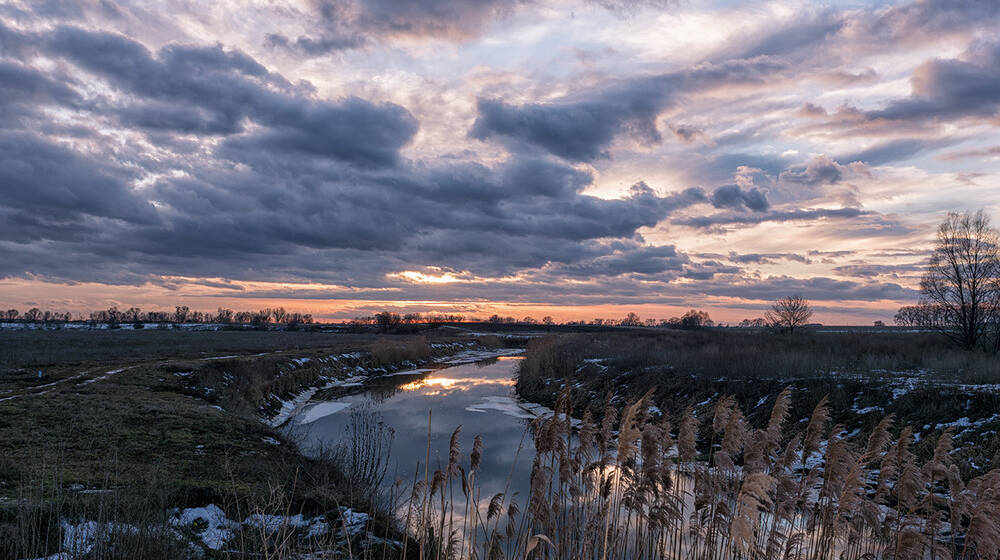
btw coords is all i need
(243, 317)
(387, 320)
(113, 316)
(695, 319)
(789, 313)
(224, 316)
(32, 314)
(962, 280)
(631, 320)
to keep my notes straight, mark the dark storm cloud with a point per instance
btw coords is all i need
(872, 270)
(819, 171)
(213, 91)
(578, 131)
(424, 17)
(47, 180)
(951, 88)
(817, 288)
(290, 183)
(350, 24)
(279, 210)
(732, 196)
(766, 258)
(630, 259)
(807, 35)
(200, 161)
(316, 46)
(800, 34)
(582, 127)
(22, 89)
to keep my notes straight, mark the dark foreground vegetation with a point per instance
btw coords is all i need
(713, 486)
(122, 428)
(920, 378)
(702, 444)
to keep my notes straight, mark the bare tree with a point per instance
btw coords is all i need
(962, 280)
(224, 315)
(387, 320)
(133, 315)
(631, 320)
(695, 319)
(789, 313)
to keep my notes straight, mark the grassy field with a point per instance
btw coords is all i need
(69, 347)
(132, 421)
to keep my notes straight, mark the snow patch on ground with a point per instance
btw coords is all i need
(289, 407)
(419, 371)
(105, 376)
(215, 527)
(869, 410)
(471, 356)
(316, 411)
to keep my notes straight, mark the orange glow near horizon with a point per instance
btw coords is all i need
(335, 304)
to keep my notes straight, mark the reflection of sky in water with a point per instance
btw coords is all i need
(450, 393)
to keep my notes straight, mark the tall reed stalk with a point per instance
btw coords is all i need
(748, 493)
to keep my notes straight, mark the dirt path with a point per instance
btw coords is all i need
(85, 375)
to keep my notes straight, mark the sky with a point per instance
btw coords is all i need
(575, 158)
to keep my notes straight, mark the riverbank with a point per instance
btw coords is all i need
(99, 442)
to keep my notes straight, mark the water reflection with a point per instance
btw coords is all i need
(479, 397)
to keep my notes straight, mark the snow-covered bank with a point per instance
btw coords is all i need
(208, 528)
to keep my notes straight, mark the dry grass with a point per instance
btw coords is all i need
(392, 350)
(919, 378)
(754, 493)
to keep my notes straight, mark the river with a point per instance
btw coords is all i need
(478, 396)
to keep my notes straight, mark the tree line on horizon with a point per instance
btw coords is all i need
(787, 314)
(181, 314)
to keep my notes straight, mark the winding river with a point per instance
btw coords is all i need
(478, 396)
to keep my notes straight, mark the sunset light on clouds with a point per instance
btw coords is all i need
(576, 159)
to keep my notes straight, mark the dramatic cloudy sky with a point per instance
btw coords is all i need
(578, 158)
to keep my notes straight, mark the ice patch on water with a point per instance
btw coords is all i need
(506, 405)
